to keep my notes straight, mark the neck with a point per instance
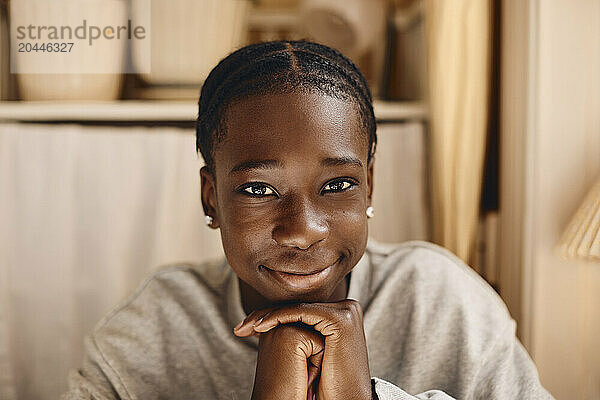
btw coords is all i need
(252, 300)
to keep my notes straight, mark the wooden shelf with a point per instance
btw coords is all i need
(160, 111)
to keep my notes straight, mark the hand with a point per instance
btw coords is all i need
(344, 367)
(281, 370)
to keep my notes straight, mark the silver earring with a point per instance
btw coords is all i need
(370, 212)
(208, 220)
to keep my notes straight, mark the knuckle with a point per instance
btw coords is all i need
(354, 306)
(299, 340)
(357, 308)
(287, 332)
(295, 333)
(346, 316)
(351, 312)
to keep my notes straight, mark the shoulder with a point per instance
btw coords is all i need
(173, 283)
(148, 339)
(178, 286)
(439, 287)
(177, 299)
(429, 264)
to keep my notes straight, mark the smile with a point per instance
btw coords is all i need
(301, 281)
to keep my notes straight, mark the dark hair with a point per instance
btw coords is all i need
(279, 66)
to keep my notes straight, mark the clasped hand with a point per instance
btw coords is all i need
(310, 351)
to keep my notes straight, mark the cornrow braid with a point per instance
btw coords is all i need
(280, 67)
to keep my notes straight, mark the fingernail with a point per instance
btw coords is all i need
(258, 321)
(238, 325)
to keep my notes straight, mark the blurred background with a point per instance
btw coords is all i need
(489, 144)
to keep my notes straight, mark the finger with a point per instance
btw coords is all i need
(316, 359)
(313, 380)
(245, 328)
(326, 318)
(256, 316)
(314, 372)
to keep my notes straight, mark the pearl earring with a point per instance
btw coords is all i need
(208, 220)
(370, 212)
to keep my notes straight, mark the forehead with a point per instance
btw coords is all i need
(298, 125)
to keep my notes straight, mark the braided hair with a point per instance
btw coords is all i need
(281, 67)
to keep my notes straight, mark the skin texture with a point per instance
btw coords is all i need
(302, 216)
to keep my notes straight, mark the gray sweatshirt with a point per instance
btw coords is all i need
(434, 330)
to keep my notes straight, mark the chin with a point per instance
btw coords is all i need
(313, 296)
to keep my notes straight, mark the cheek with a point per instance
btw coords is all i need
(244, 234)
(247, 223)
(351, 229)
(246, 230)
(239, 248)
(350, 218)
(256, 223)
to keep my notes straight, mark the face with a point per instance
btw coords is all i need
(292, 186)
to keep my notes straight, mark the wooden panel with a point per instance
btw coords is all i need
(514, 245)
(136, 110)
(399, 192)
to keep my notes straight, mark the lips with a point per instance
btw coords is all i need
(302, 281)
(300, 273)
(294, 272)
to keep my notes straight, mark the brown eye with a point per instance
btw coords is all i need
(338, 186)
(258, 189)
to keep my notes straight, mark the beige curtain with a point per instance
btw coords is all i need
(459, 43)
(87, 212)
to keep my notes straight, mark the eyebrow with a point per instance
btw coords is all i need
(274, 164)
(344, 160)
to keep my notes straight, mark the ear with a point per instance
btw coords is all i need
(208, 195)
(370, 180)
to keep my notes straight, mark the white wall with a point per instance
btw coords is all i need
(551, 152)
(566, 295)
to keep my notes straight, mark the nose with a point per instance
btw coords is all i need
(300, 225)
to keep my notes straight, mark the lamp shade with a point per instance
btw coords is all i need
(581, 239)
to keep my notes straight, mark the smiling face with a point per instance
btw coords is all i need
(292, 186)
